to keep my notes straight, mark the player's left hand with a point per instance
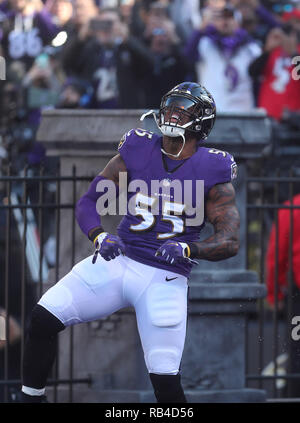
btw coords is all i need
(174, 252)
(108, 246)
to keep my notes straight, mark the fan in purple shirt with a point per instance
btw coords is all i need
(25, 31)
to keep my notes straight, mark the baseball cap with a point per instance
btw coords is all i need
(294, 14)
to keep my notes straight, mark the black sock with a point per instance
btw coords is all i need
(167, 388)
(40, 347)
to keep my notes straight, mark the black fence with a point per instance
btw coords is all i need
(273, 348)
(30, 220)
(30, 216)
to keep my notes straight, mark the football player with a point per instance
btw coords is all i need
(147, 264)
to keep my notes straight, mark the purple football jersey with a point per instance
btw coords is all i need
(23, 38)
(165, 201)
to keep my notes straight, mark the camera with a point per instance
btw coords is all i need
(101, 25)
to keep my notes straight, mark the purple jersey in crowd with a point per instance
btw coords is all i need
(24, 37)
(144, 231)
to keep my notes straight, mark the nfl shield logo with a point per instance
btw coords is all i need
(166, 182)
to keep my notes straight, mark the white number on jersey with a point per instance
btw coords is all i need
(282, 73)
(107, 85)
(215, 151)
(142, 133)
(142, 204)
(24, 43)
(176, 221)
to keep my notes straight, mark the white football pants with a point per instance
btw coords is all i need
(93, 291)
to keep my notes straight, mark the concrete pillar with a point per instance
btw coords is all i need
(213, 365)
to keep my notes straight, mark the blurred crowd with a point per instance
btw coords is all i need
(127, 53)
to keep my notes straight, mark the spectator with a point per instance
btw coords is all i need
(126, 7)
(75, 94)
(71, 16)
(256, 18)
(105, 53)
(25, 31)
(156, 15)
(168, 66)
(141, 13)
(84, 10)
(186, 16)
(16, 131)
(282, 251)
(278, 91)
(44, 81)
(61, 10)
(222, 52)
(292, 18)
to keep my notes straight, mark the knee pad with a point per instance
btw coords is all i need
(43, 323)
(166, 305)
(163, 361)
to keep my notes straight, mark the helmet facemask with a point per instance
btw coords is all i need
(178, 113)
(188, 109)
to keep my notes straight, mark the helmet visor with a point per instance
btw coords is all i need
(179, 101)
(178, 110)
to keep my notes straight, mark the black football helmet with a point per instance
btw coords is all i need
(187, 107)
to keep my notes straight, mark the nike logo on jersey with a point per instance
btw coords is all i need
(168, 280)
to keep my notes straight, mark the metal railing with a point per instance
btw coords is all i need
(30, 210)
(30, 213)
(272, 355)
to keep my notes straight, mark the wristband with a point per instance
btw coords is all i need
(99, 238)
(186, 249)
(193, 250)
(94, 233)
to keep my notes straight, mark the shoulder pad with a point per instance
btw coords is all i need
(135, 135)
(224, 161)
(136, 147)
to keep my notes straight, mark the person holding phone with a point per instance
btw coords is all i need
(279, 89)
(221, 52)
(105, 54)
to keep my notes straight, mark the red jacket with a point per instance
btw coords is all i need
(283, 251)
(278, 89)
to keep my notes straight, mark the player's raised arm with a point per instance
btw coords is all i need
(88, 218)
(222, 213)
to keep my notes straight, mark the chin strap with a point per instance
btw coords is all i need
(167, 132)
(180, 151)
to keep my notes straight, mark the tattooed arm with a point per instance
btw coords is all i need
(113, 168)
(221, 211)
